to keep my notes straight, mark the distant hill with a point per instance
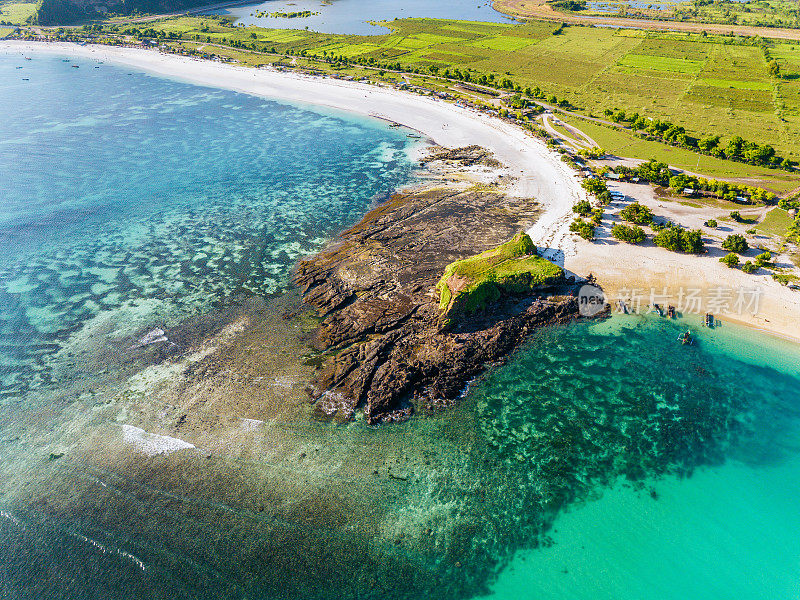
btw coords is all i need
(65, 12)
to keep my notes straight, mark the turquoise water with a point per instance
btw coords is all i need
(353, 16)
(678, 468)
(605, 460)
(119, 188)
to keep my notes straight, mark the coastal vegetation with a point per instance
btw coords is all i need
(735, 243)
(637, 213)
(730, 260)
(627, 233)
(514, 267)
(677, 239)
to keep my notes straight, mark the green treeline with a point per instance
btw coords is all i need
(736, 148)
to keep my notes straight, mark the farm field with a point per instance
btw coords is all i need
(712, 85)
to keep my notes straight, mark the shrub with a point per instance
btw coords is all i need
(582, 228)
(748, 267)
(731, 260)
(736, 216)
(597, 217)
(637, 213)
(583, 208)
(669, 238)
(735, 243)
(626, 233)
(711, 223)
(750, 231)
(763, 259)
(692, 241)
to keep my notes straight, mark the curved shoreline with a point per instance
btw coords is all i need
(540, 172)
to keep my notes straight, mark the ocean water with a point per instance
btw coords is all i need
(354, 16)
(604, 460)
(681, 465)
(123, 190)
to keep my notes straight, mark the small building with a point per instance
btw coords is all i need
(635, 180)
(688, 192)
(613, 176)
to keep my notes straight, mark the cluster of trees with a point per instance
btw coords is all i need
(652, 171)
(722, 189)
(669, 236)
(676, 238)
(571, 5)
(736, 148)
(735, 243)
(731, 260)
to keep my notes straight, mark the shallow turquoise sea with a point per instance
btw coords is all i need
(119, 187)
(603, 461)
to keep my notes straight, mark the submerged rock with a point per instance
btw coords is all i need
(376, 290)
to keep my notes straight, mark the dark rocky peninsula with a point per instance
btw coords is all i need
(383, 342)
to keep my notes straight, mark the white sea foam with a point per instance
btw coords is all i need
(8, 516)
(152, 443)
(105, 550)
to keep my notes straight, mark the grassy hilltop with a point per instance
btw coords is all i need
(514, 267)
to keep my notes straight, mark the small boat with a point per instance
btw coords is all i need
(686, 338)
(28, 58)
(709, 321)
(26, 79)
(75, 67)
(671, 312)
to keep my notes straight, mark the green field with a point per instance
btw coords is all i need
(623, 143)
(17, 13)
(776, 223)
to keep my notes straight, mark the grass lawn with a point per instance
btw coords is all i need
(776, 223)
(623, 143)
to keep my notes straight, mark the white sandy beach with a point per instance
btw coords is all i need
(540, 172)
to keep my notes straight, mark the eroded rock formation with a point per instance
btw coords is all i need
(381, 334)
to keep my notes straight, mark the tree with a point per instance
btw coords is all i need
(749, 267)
(637, 213)
(626, 233)
(669, 238)
(692, 241)
(763, 259)
(734, 147)
(582, 228)
(583, 208)
(735, 243)
(730, 260)
(711, 223)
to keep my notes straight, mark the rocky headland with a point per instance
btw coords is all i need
(386, 341)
